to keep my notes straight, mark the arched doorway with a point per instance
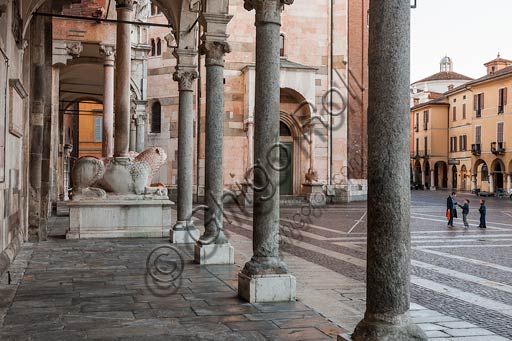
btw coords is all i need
(454, 177)
(464, 178)
(498, 174)
(441, 175)
(481, 174)
(417, 174)
(285, 160)
(428, 180)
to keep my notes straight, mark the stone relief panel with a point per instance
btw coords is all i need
(17, 94)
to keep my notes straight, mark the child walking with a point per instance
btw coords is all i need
(483, 212)
(465, 212)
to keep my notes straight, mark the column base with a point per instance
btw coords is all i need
(378, 330)
(314, 193)
(183, 233)
(211, 254)
(267, 288)
(432, 188)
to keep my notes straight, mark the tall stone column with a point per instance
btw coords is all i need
(266, 271)
(213, 247)
(423, 179)
(432, 181)
(389, 196)
(184, 231)
(491, 183)
(509, 182)
(122, 82)
(107, 146)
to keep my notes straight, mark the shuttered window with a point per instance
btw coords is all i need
(499, 137)
(502, 100)
(478, 135)
(464, 111)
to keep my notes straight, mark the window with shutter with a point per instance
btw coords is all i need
(500, 136)
(464, 111)
(425, 144)
(478, 135)
(455, 113)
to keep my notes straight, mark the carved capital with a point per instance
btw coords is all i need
(74, 49)
(125, 4)
(107, 51)
(268, 11)
(185, 79)
(215, 51)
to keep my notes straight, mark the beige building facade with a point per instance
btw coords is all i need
(469, 127)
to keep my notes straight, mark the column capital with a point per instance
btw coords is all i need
(185, 79)
(125, 4)
(215, 51)
(107, 51)
(267, 11)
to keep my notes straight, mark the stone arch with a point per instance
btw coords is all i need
(426, 171)
(441, 174)
(454, 176)
(177, 13)
(498, 172)
(293, 142)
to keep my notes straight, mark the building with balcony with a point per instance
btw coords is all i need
(472, 133)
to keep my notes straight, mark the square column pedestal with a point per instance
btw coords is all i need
(314, 193)
(119, 218)
(214, 254)
(183, 234)
(267, 288)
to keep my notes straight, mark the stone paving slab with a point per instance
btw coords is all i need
(73, 290)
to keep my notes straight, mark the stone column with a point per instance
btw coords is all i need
(184, 231)
(389, 244)
(108, 100)
(473, 182)
(122, 83)
(266, 271)
(133, 133)
(140, 122)
(68, 148)
(423, 179)
(432, 181)
(250, 141)
(213, 247)
(509, 182)
(491, 183)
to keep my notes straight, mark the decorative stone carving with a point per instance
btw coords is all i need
(312, 176)
(93, 177)
(170, 40)
(185, 79)
(142, 10)
(215, 51)
(107, 51)
(127, 4)
(267, 10)
(74, 49)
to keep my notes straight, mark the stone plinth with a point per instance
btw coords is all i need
(119, 218)
(314, 193)
(184, 233)
(214, 254)
(267, 288)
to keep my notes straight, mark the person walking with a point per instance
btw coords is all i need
(483, 213)
(465, 212)
(450, 208)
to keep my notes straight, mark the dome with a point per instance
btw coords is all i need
(446, 64)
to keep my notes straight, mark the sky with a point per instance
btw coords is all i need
(471, 32)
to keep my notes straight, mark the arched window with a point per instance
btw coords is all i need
(284, 130)
(158, 47)
(281, 51)
(152, 53)
(156, 117)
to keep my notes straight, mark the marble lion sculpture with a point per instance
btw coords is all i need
(93, 177)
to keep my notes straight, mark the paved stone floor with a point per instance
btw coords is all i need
(461, 282)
